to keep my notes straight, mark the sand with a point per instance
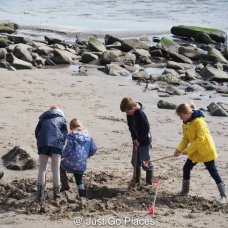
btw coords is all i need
(95, 99)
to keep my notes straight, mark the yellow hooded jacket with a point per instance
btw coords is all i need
(197, 141)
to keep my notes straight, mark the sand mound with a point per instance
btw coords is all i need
(18, 159)
(101, 199)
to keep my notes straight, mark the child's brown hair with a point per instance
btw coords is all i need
(127, 104)
(76, 124)
(184, 108)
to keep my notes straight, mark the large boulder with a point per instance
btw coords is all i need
(95, 45)
(216, 110)
(8, 27)
(62, 57)
(213, 74)
(18, 63)
(23, 52)
(116, 70)
(165, 105)
(192, 31)
(19, 159)
(216, 56)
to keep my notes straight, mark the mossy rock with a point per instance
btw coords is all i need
(96, 45)
(8, 27)
(170, 79)
(192, 31)
(4, 42)
(167, 43)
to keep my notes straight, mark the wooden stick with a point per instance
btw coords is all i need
(170, 156)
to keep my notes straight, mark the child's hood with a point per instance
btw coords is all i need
(196, 114)
(52, 114)
(81, 137)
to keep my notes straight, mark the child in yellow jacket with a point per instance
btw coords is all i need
(198, 144)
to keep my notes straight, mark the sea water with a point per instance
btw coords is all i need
(125, 17)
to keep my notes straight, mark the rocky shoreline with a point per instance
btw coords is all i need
(195, 59)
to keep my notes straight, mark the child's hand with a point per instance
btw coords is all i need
(176, 153)
(184, 153)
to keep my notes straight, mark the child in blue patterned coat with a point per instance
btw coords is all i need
(79, 147)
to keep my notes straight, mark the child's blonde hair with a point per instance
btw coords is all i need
(55, 107)
(127, 104)
(76, 124)
(184, 108)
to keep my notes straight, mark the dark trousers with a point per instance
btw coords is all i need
(211, 167)
(78, 178)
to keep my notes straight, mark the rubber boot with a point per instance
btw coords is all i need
(222, 191)
(138, 175)
(81, 190)
(64, 181)
(56, 192)
(41, 193)
(185, 187)
(149, 177)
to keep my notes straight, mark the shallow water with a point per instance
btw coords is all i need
(127, 16)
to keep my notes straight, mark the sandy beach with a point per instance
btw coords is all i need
(95, 99)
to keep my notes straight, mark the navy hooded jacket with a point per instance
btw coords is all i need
(51, 129)
(139, 127)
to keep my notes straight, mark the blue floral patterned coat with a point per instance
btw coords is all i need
(79, 147)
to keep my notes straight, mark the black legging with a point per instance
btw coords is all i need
(78, 178)
(211, 167)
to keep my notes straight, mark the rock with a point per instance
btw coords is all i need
(62, 57)
(18, 159)
(4, 42)
(222, 89)
(129, 59)
(111, 56)
(172, 72)
(141, 75)
(3, 53)
(109, 39)
(216, 110)
(216, 56)
(116, 70)
(17, 39)
(17, 63)
(194, 88)
(8, 27)
(204, 38)
(168, 44)
(87, 57)
(170, 79)
(224, 106)
(190, 52)
(179, 58)
(211, 73)
(165, 105)
(52, 40)
(189, 75)
(129, 44)
(43, 50)
(178, 66)
(191, 32)
(95, 45)
(24, 53)
(172, 91)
